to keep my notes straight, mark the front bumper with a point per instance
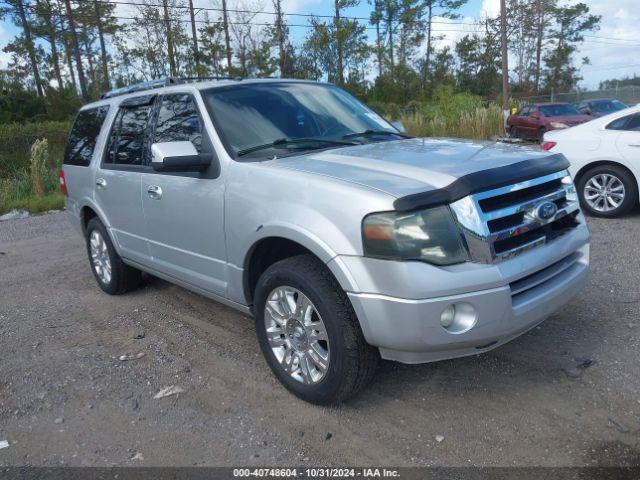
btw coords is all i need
(519, 297)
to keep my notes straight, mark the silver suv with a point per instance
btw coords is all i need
(345, 239)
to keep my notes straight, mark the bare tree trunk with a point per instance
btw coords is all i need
(194, 36)
(69, 56)
(336, 20)
(30, 47)
(51, 34)
(89, 55)
(280, 35)
(390, 32)
(103, 48)
(167, 23)
(427, 62)
(379, 48)
(540, 15)
(76, 49)
(505, 64)
(227, 41)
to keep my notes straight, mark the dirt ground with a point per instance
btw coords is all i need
(567, 393)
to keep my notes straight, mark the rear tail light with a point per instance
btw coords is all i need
(63, 184)
(546, 146)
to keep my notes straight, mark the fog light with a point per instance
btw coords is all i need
(458, 317)
(446, 319)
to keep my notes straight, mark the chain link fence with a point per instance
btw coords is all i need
(626, 94)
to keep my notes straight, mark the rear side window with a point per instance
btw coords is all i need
(127, 142)
(178, 120)
(629, 123)
(83, 136)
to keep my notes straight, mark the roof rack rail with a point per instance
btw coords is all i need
(201, 79)
(159, 83)
(136, 87)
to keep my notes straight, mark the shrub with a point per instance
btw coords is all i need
(16, 140)
(39, 161)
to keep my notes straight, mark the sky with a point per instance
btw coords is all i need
(613, 50)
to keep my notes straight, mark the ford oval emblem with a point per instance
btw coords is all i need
(545, 210)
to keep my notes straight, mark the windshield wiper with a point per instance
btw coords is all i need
(283, 142)
(370, 133)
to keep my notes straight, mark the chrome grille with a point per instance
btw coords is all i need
(506, 221)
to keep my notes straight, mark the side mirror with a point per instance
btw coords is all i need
(397, 124)
(178, 157)
(536, 116)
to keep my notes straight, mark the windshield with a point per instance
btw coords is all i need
(561, 110)
(607, 106)
(259, 115)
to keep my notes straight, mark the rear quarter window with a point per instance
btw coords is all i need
(83, 136)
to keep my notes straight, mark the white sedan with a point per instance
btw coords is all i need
(605, 160)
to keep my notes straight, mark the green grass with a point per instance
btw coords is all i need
(482, 123)
(34, 204)
(17, 192)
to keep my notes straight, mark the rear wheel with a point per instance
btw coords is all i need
(607, 191)
(309, 334)
(112, 274)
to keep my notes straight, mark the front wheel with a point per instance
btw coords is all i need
(309, 334)
(607, 191)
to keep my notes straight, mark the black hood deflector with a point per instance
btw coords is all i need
(482, 181)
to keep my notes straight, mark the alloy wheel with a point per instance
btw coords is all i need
(604, 192)
(297, 335)
(100, 257)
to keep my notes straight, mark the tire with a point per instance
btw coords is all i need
(122, 278)
(352, 362)
(513, 132)
(541, 133)
(587, 185)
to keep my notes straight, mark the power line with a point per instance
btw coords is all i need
(612, 38)
(614, 67)
(208, 22)
(232, 10)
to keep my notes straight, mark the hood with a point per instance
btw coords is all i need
(571, 119)
(405, 167)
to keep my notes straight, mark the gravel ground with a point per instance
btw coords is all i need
(565, 394)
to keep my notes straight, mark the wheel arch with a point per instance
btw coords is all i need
(269, 249)
(89, 210)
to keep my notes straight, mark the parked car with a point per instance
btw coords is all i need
(605, 160)
(532, 121)
(346, 240)
(600, 106)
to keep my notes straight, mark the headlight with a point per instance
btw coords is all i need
(429, 235)
(558, 125)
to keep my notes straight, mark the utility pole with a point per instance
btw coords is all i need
(167, 22)
(338, 27)
(194, 36)
(103, 47)
(505, 60)
(227, 41)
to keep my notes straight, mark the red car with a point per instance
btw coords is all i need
(533, 120)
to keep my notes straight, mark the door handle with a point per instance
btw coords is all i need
(154, 192)
(634, 144)
(101, 183)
